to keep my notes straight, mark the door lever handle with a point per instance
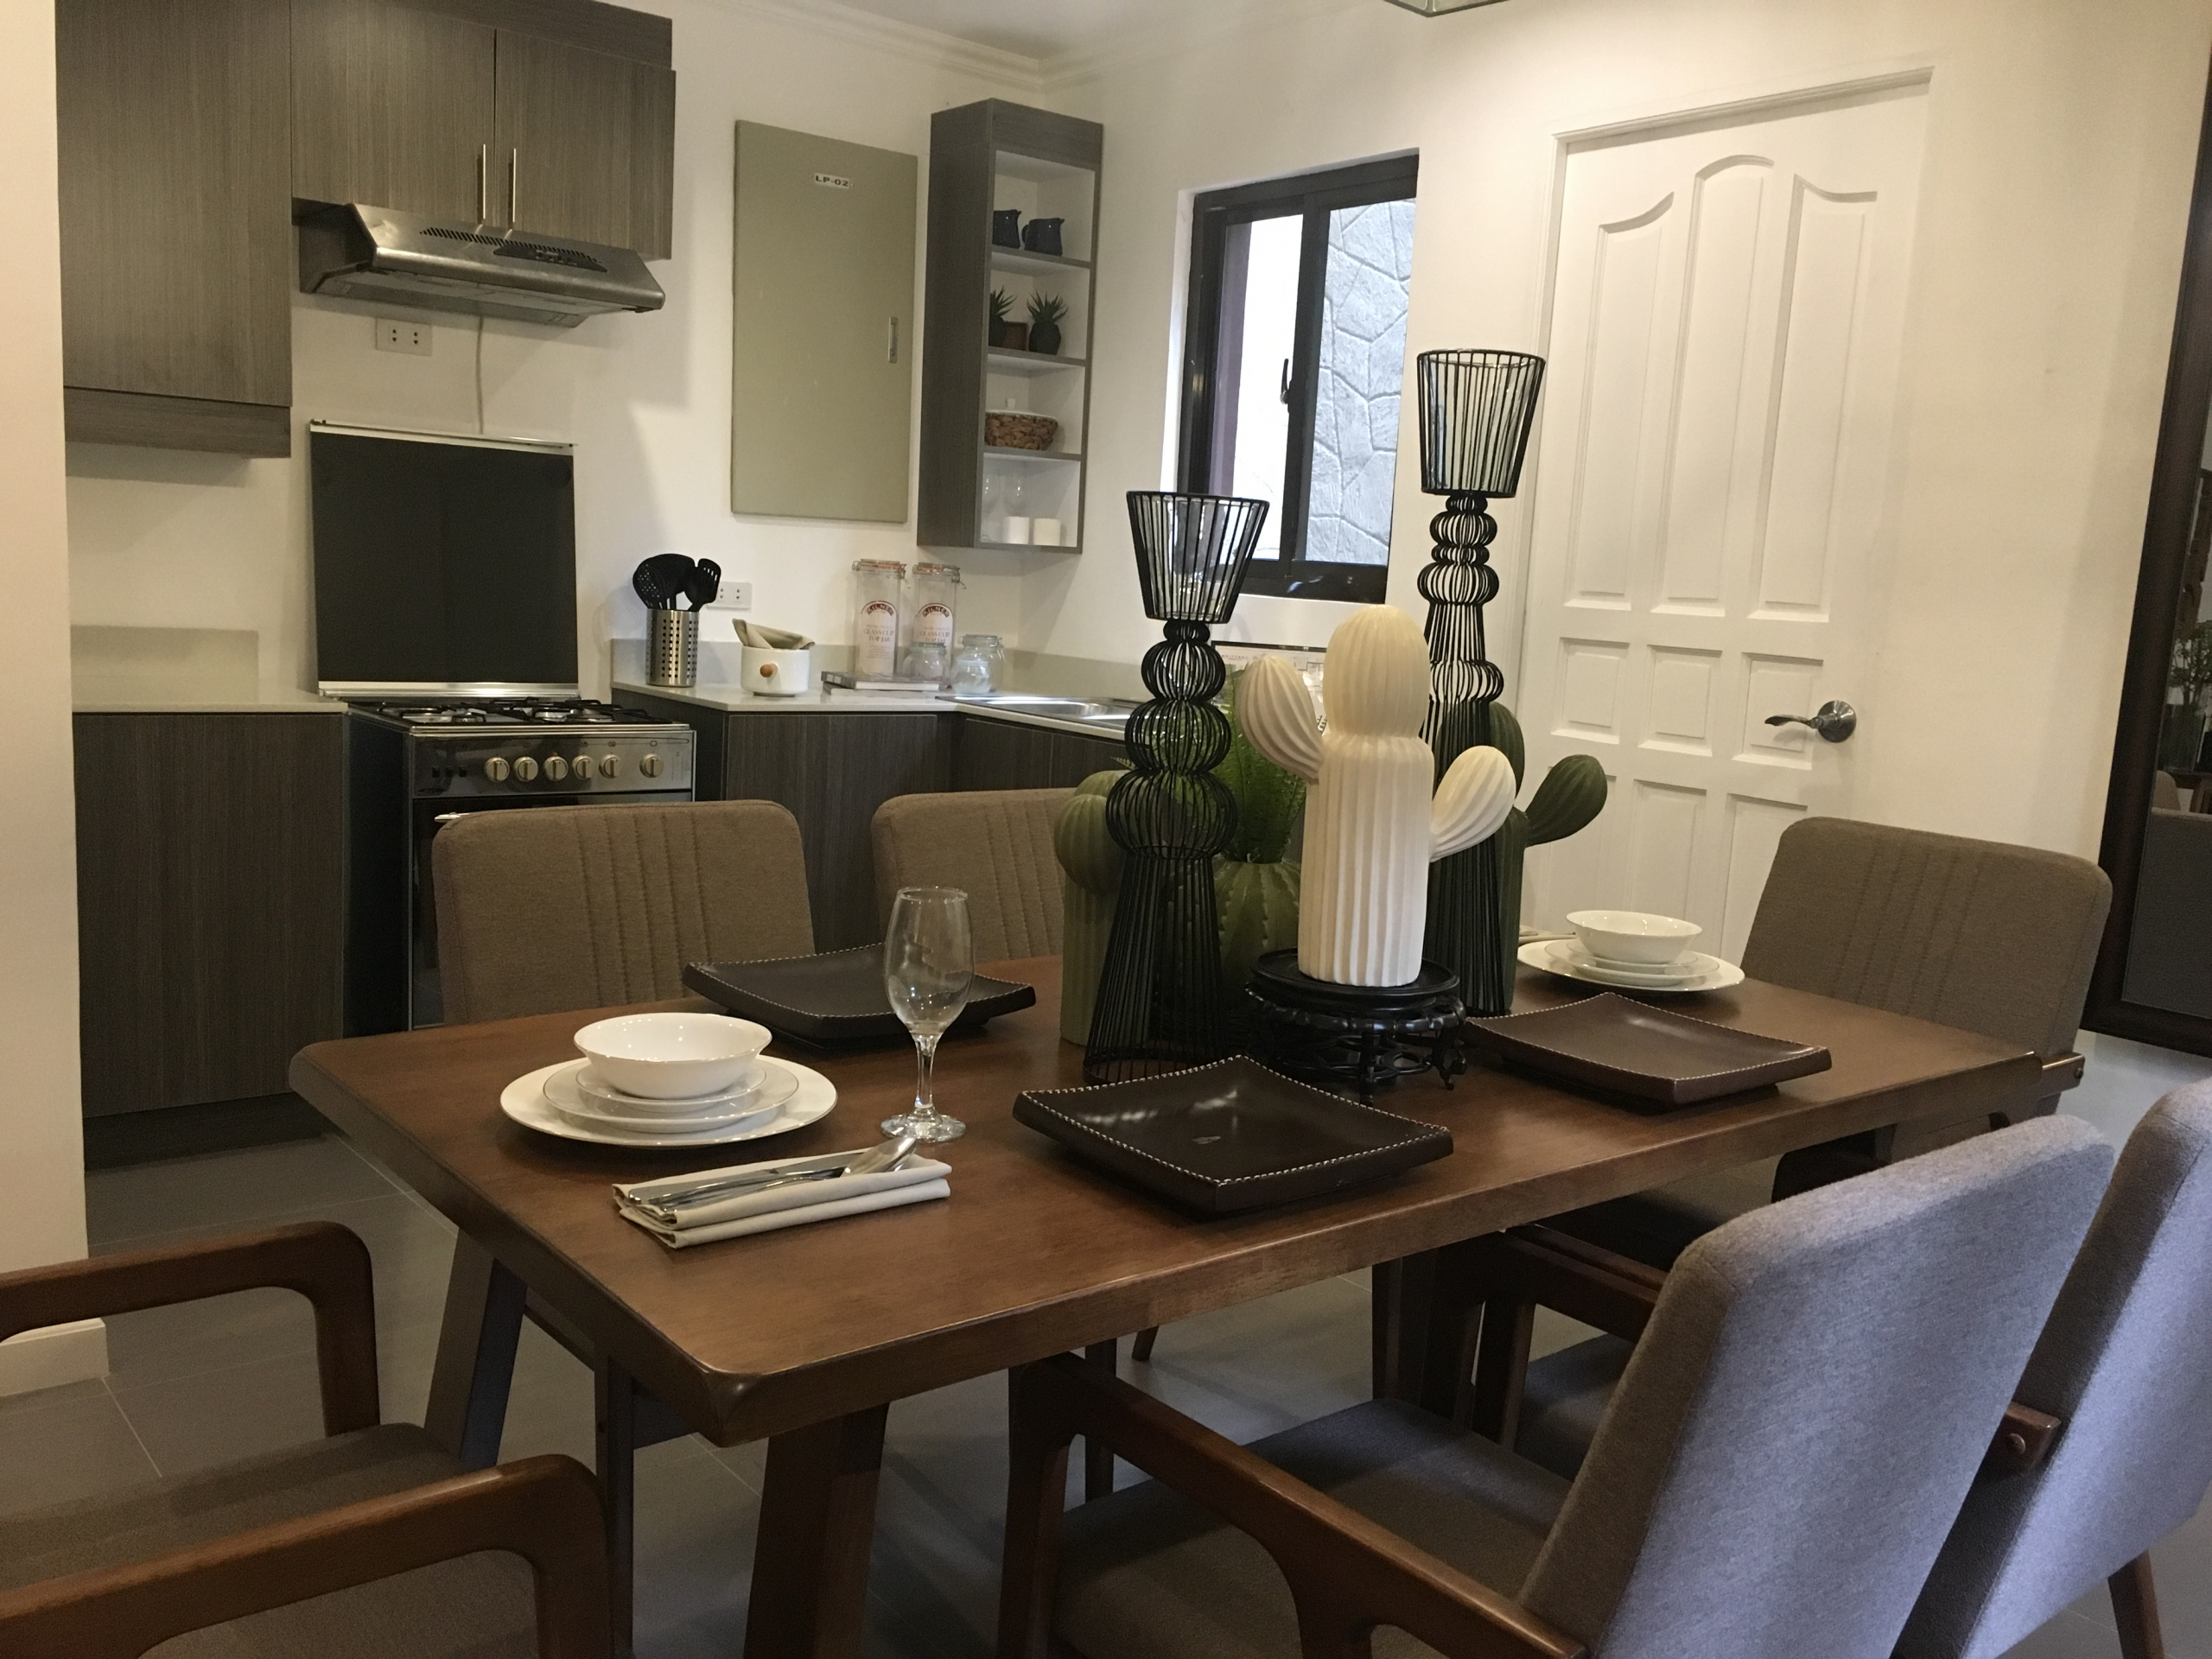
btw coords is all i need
(1835, 721)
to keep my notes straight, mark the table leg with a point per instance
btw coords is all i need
(1423, 1327)
(1097, 1456)
(818, 1520)
(616, 1410)
(476, 1355)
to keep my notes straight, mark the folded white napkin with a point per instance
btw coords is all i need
(752, 633)
(916, 1181)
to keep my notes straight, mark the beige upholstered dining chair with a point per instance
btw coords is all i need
(590, 906)
(1977, 934)
(1817, 1386)
(993, 844)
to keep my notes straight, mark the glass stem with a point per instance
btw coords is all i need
(925, 1074)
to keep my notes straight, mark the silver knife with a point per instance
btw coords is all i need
(664, 1205)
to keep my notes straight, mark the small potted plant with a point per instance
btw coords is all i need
(1045, 312)
(1001, 302)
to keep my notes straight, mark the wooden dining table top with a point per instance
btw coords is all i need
(1036, 1253)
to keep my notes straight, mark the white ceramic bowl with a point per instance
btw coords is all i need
(674, 1056)
(1632, 936)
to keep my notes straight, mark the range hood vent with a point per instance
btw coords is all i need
(358, 252)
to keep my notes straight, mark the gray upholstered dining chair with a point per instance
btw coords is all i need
(1776, 1475)
(1977, 934)
(2124, 1364)
(993, 844)
(590, 906)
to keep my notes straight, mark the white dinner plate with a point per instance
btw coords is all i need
(588, 1084)
(566, 1093)
(1667, 977)
(1717, 976)
(523, 1100)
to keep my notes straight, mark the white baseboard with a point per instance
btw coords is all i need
(59, 1354)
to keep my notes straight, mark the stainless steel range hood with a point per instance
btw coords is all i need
(359, 253)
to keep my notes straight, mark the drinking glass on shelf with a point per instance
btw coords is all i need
(929, 962)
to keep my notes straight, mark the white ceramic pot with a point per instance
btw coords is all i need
(777, 673)
(673, 1056)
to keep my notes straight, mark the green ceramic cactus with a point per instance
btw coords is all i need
(1255, 888)
(1090, 867)
(1571, 794)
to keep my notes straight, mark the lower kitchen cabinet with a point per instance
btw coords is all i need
(833, 771)
(210, 902)
(999, 754)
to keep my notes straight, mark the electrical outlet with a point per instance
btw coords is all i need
(413, 338)
(734, 595)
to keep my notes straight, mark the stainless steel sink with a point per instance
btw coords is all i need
(1060, 711)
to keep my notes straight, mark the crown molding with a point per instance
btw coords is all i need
(909, 41)
(1216, 22)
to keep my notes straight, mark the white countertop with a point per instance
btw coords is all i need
(736, 697)
(102, 696)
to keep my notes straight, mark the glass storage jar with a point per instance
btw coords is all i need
(876, 583)
(979, 667)
(931, 598)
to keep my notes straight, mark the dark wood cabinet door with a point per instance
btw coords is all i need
(833, 771)
(586, 144)
(176, 158)
(392, 106)
(210, 902)
(999, 754)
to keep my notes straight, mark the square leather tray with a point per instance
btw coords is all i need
(835, 999)
(1230, 1136)
(1618, 1043)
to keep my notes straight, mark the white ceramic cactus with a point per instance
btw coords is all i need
(1373, 819)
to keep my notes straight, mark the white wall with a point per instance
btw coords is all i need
(2060, 150)
(172, 540)
(41, 1190)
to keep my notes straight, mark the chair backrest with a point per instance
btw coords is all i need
(2165, 793)
(1817, 1385)
(589, 906)
(1977, 934)
(2127, 1361)
(993, 844)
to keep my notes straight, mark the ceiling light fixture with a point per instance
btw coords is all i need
(1438, 7)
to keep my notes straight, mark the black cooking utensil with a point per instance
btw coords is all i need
(706, 583)
(662, 579)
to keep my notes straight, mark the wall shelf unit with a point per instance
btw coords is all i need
(984, 157)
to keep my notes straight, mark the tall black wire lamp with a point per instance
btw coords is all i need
(1476, 410)
(1162, 1002)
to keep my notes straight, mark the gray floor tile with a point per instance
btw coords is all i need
(65, 1443)
(225, 1188)
(695, 1526)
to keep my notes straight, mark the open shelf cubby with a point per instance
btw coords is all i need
(984, 158)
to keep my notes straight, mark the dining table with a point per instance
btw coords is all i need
(804, 1336)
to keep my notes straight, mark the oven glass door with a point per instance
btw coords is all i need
(426, 1004)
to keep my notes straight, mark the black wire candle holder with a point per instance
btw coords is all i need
(1162, 1004)
(1476, 408)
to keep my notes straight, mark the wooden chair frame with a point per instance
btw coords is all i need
(545, 1509)
(1346, 1574)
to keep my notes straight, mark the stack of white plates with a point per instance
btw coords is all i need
(1633, 951)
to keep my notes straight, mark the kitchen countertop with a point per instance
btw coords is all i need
(831, 701)
(102, 696)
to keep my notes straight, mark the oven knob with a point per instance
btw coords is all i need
(525, 768)
(555, 767)
(610, 766)
(580, 765)
(496, 770)
(650, 765)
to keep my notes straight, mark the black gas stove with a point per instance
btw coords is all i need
(537, 712)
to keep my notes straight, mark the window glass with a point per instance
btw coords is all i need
(1259, 438)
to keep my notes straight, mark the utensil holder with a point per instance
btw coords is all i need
(672, 648)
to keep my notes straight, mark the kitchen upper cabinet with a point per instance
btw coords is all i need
(588, 142)
(176, 243)
(392, 106)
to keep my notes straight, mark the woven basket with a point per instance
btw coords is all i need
(1019, 431)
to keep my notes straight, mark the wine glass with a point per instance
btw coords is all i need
(929, 961)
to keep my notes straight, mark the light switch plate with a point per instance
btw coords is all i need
(413, 338)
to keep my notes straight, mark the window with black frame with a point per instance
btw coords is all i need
(1293, 364)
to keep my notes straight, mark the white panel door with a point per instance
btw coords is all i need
(1726, 325)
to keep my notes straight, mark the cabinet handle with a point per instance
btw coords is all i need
(483, 182)
(514, 188)
(894, 356)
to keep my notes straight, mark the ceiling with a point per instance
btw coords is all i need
(1033, 29)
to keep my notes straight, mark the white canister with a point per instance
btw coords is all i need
(777, 673)
(1045, 532)
(1017, 527)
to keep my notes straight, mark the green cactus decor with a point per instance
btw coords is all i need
(1255, 888)
(1091, 866)
(1571, 794)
